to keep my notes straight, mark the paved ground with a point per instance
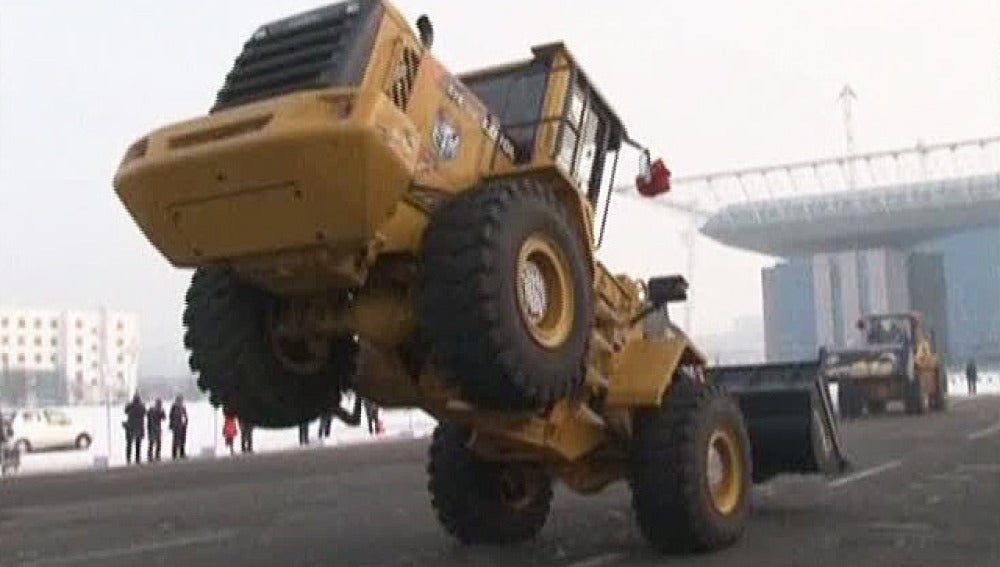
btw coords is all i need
(925, 492)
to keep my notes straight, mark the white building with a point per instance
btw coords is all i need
(73, 356)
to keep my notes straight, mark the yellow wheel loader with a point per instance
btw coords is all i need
(360, 219)
(896, 361)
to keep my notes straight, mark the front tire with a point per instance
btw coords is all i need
(239, 364)
(876, 407)
(482, 502)
(691, 469)
(850, 400)
(505, 295)
(915, 399)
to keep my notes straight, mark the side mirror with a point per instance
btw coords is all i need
(860, 324)
(426, 30)
(667, 289)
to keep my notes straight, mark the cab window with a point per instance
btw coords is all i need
(514, 97)
(586, 142)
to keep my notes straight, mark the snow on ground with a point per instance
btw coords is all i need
(205, 432)
(205, 437)
(988, 383)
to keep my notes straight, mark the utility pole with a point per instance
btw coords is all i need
(847, 98)
(689, 237)
(103, 355)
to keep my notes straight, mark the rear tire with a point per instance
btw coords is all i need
(82, 441)
(677, 504)
(939, 401)
(505, 295)
(481, 502)
(237, 364)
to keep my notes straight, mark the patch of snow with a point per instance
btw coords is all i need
(205, 437)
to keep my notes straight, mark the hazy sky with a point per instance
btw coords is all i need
(710, 85)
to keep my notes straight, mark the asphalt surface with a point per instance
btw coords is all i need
(925, 491)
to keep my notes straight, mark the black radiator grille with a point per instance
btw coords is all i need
(329, 46)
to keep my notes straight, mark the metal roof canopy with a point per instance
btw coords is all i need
(896, 217)
(883, 199)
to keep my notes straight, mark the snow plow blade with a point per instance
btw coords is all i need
(789, 417)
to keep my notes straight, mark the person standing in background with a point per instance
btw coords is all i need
(304, 433)
(971, 376)
(229, 430)
(325, 424)
(246, 436)
(178, 427)
(154, 429)
(135, 412)
(371, 413)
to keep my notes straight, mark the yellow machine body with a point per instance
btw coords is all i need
(311, 192)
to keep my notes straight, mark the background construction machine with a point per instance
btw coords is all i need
(361, 219)
(895, 362)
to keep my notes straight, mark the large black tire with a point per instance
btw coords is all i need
(478, 501)
(939, 400)
(850, 400)
(875, 407)
(232, 352)
(843, 401)
(469, 303)
(669, 470)
(915, 400)
(82, 441)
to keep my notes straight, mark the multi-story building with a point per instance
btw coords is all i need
(50, 356)
(952, 280)
(815, 301)
(790, 325)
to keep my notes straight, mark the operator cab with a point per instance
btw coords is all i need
(550, 112)
(888, 329)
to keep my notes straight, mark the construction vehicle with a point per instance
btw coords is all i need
(896, 361)
(359, 219)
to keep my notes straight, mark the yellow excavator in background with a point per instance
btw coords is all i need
(359, 218)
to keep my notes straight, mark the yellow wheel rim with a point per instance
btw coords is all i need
(545, 293)
(725, 470)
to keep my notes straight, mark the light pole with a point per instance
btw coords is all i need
(103, 366)
(695, 215)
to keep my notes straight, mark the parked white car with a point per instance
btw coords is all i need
(40, 429)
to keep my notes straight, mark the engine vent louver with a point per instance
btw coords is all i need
(324, 47)
(401, 81)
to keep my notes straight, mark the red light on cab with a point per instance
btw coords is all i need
(655, 182)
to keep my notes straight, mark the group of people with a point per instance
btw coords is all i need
(324, 430)
(143, 422)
